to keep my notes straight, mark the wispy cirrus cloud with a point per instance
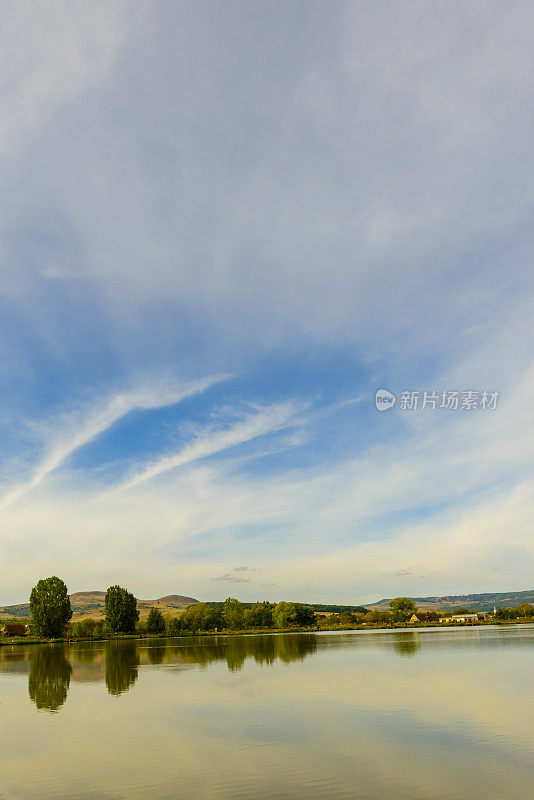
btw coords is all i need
(213, 441)
(78, 430)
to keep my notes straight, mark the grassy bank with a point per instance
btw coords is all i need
(15, 640)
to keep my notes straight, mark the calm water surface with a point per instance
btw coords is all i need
(423, 715)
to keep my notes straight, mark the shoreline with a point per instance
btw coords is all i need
(18, 640)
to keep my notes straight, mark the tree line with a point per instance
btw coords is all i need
(522, 610)
(51, 614)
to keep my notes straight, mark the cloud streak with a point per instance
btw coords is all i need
(210, 443)
(89, 425)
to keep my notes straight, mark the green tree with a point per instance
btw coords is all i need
(261, 615)
(402, 608)
(377, 617)
(304, 615)
(524, 609)
(173, 625)
(155, 622)
(50, 607)
(233, 614)
(200, 617)
(285, 614)
(461, 610)
(506, 613)
(212, 618)
(121, 610)
(84, 628)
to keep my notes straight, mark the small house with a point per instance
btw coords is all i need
(423, 616)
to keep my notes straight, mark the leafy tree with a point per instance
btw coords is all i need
(155, 622)
(173, 625)
(461, 610)
(50, 607)
(212, 618)
(233, 614)
(200, 617)
(261, 615)
(506, 613)
(377, 617)
(304, 615)
(121, 610)
(402, 608)
(285, 614)
(84, 627)
(192, 618)
(141, 626)
(524, 609)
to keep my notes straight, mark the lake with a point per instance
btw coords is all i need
(390, 715)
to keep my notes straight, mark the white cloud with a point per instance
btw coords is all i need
(50, 53)
(69, 435)
(270, 420)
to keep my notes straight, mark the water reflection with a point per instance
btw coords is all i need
(116, 663)
(235, 650)
(49, 676)
(122, 662)
(156, 653)
(399, 715)
(406, 643)
(51, 668)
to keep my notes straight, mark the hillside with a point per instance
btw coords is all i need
(91, 604)
(476, 602)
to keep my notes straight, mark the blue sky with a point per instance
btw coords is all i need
(223, 228)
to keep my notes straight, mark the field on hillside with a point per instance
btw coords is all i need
(476, 602)
(87, 605)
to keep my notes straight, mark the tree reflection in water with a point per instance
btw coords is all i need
(50, 670)
(122, 662)
(157, 651)
(264, 649)
(49, 676)
(406, 644)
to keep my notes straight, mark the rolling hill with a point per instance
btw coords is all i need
(91, 604)
(476, 602)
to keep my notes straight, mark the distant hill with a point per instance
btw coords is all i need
(476, 602)
(91, 604)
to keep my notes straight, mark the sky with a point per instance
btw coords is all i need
(223, 228)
